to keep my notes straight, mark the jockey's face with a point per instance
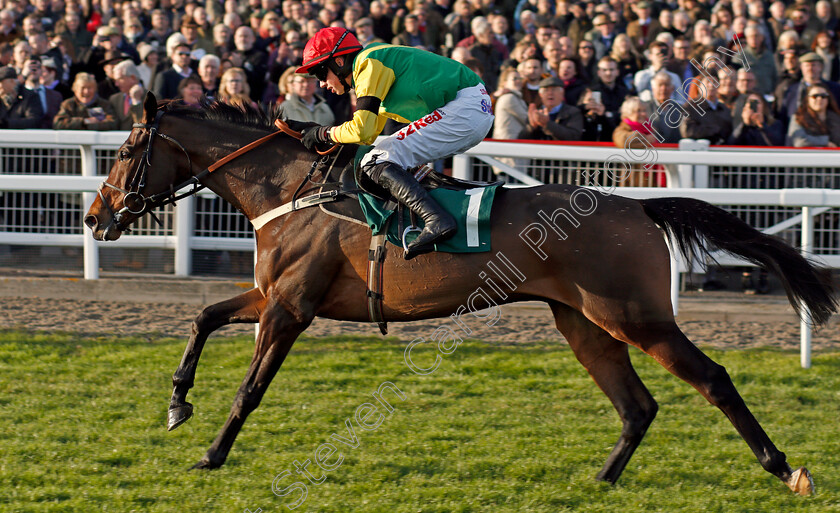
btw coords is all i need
(333, 83)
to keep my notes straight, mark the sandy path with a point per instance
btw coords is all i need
(517, 324)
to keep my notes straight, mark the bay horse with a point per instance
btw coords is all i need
(605, 273)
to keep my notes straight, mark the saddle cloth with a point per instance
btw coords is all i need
(470, 208)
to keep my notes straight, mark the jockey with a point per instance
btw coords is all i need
(444, 102)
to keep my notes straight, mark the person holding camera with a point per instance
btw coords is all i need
(756, 126)
(86, 110)
(596, 125)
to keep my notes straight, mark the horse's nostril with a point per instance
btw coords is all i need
(90, 221)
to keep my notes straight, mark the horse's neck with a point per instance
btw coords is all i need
(259, 179)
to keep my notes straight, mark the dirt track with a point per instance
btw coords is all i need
(517, 324)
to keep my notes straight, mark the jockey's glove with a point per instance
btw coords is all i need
(316, 137)
(299, 126)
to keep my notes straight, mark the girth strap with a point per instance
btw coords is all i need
(376, 259)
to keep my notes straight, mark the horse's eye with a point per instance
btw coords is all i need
(124, 155)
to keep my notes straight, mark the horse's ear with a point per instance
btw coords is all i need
(149, 108)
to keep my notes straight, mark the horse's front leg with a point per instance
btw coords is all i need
(280, 325)
(240, 309)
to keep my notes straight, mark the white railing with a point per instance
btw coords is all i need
(688, 171)
(691, 170)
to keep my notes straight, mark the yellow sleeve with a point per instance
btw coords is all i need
(372, 81)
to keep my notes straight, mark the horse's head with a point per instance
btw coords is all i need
(142, 177)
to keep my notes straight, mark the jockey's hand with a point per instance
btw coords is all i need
(299, 126)
(316, 137)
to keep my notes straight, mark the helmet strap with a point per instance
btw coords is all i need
(341, 71)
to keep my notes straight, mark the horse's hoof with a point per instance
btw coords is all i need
(178, 415)
(204, 464)
(801, 482)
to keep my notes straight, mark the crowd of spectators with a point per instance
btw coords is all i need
(558, 70)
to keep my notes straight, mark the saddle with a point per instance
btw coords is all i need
(343, 179)
(346, 177)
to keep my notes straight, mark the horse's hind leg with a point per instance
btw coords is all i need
(240, 309)
(608, 362)
(672, 349)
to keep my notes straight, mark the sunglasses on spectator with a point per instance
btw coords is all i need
(820, 95)
(183, 53)
(587, 47)
(607, 69)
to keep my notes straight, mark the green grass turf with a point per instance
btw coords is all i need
(495, 428)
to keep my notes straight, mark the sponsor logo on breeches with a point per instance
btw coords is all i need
(419, 124)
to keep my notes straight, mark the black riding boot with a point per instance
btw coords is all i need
(438, 225)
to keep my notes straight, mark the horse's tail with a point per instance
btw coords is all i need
(692, 222)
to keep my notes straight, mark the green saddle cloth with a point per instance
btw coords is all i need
(470, 208)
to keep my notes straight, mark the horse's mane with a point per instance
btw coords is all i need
(212, 110)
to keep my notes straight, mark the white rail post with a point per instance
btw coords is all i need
(91, 249)
(804, 324)
(699, 173)
(461, 167)
(184, 216)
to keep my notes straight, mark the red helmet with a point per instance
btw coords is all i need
(324, 46)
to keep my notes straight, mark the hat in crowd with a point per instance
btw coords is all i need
(551, 82)
(363, 22)
(188, 22)
(144, 49)
(112, 57)
(643, 5)
(7, 72)
(105, 31)
(811, 57)
(412, 16)
(600, 19)
(298, 45)
(49, 62)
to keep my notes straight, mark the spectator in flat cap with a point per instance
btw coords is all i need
(604, 35)
(201, 46)
(19, 107)
(555, 120)
(643, 30)
(811, 66)
(108, 85)
(303, 104)
(364, 32)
